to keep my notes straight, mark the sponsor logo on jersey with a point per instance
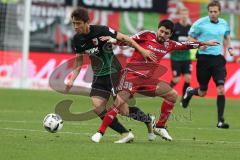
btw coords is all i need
(82, 45)
(92, 51)
(156, 49)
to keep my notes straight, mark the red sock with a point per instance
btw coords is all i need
(166, 109)
(107, 120)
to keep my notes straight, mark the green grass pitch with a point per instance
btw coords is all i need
(194, 131)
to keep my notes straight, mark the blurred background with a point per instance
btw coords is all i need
(35, 35)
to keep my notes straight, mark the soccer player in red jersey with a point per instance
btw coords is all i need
(141, 75)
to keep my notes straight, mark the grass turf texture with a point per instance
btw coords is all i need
(193, 130)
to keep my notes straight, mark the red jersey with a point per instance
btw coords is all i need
(148, 40)
(143, 76)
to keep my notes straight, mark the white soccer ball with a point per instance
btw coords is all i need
(53, 123)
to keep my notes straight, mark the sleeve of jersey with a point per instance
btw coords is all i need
(107, 31)
(185, 45)
(136, 37)
(194, 30)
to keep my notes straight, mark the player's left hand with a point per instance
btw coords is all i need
(108, 39)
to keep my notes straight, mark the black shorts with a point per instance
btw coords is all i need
(210, 66)
(181, 67)
(104, 86)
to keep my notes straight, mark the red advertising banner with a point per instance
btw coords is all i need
(41, 65)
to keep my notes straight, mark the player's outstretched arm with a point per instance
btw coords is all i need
(192, 45)
(192, 39)
(76, 69)
(127, 41)
(209, 43)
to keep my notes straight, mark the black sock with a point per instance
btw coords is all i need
(185, 86)
(139, 115)
(194, 92)
(220, 107)
(115, 125)
(172, 84)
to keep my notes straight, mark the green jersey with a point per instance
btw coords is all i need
(100, 53)
(180, 34)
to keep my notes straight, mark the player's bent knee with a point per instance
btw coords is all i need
(171, 96)
(163, 89)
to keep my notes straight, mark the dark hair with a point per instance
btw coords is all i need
(213, 4)
(168, 24)
(80, 14)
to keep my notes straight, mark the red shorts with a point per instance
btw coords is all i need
(135, 82)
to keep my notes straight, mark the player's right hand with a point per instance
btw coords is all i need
(149, 55)
(108, 39)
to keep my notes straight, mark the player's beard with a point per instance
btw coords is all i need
(160, 39)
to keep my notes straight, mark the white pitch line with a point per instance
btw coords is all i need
(111, 135)
(80, 123)
(42, 131)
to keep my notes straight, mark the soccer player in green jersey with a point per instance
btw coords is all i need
(180, 59)
(106, 67)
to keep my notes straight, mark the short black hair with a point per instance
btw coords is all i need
(80, 13)
(167, 24)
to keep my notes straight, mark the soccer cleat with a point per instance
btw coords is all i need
(222, 125)
(186, 98)
(151, 136)
(126, 138)
(96, 137)
(163, 133)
